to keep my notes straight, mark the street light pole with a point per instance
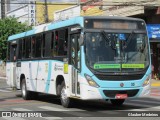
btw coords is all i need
(78, 3)
(46, 12)
(2, 9)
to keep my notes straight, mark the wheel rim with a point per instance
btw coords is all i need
(23, 90)
(64, 97)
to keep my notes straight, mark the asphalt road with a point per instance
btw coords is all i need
(50, 108)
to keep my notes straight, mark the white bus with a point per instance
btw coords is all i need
(82, 58)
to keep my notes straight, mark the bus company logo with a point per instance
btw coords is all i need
(57, 67)
(121, 84)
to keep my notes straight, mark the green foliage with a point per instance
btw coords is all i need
(9, 26)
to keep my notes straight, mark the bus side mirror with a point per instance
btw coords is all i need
(81, 40)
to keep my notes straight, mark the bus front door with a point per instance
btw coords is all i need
(13, 68)
(75, 62)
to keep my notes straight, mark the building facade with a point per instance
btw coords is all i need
(23, 10)
(32, 12)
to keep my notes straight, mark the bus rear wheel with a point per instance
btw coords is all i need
(25, 93)
(117, 102)
(65, 100)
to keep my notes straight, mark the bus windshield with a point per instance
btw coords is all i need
(116, 52)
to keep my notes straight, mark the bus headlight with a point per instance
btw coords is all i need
(90, 81)
(146, 82)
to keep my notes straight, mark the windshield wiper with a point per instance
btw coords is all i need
(128, 40)
(109, 42)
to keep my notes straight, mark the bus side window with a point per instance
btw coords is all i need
(65, 45)
(20, 48)
(52, 44)
(48, 37)
(23, 48)
(8, 51)
(38, 45)
(33, 42)
(28, 48)
(43, 46)
(56, 44)
(61, 43)
(13, 52)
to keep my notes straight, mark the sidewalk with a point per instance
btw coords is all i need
(2, 72)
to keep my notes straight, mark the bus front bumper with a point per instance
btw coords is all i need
(89, 92)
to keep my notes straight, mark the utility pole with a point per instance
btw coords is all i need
(78, 3)
(46, 12)
(2, 9)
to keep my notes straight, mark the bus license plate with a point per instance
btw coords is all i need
(121, 96)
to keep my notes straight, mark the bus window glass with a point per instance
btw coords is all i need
(20, 48)
(61, 43)
(43, 45)
(126, 55)
(28, 47)
(38, 45)
(13, 52)
(48, 37)
(8, 52)
(56, 44)
(33, 42)
(52, 44)
(23, 48)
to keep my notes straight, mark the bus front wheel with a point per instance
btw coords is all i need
(117, 102)
(65, 100)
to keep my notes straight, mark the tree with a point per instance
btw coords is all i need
(9, 26)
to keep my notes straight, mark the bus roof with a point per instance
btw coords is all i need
(59, 24)
(46, 27)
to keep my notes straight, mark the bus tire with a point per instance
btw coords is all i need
(33, 95)
(117, 102)
(25, 93)
(65, 101)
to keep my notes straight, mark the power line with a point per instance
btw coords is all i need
(107, 4)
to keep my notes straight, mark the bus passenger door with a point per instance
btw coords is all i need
(75, 62)
(13, 70)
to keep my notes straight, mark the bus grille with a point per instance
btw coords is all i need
(119, 77)
(112, 93)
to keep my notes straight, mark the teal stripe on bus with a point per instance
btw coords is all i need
(21, 35)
